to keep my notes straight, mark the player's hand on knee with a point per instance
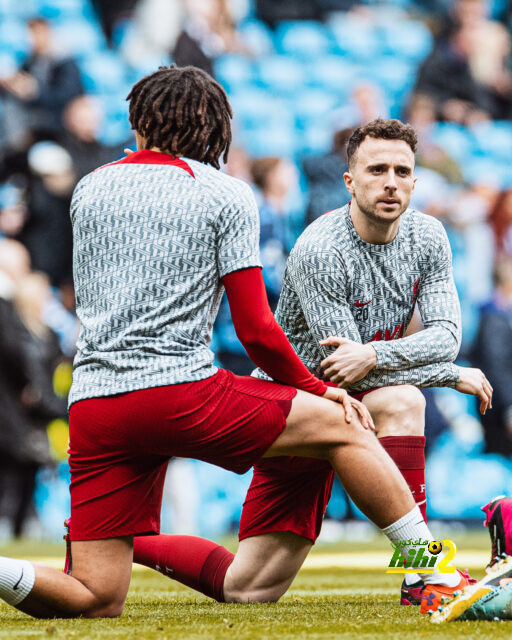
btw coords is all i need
(350, 405)
(473, 382)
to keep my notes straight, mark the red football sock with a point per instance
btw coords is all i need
(408, 453)
(195, 562)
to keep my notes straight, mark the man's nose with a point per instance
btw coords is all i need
(391, 180)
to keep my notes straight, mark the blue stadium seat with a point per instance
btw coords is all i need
(333, 73)
(257, 36)
(145, 65)
(312, 106)
(409, 39)
(316, 139)
(12, 9)
(80, 37)
(394, 75)
(486, 170)
(14, 38)
(8, 63)
(281, 74)
(355, 39)
(103, 73)
(454, 139)
(270, 141)
(115, 127)
(494, 139)
(255, 108)
(55, 9)
(305, 40)
(234, 71)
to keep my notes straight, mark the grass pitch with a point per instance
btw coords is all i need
(323, 603)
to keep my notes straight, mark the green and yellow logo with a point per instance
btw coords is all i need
(425, 557)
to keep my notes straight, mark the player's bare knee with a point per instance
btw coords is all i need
(103, 609)
(402, 413)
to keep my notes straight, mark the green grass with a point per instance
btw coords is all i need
(321, 604)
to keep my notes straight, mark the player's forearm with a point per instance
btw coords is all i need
(435, 344)
(262, 337)
(441, 374)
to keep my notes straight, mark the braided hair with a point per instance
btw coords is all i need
(182, 111)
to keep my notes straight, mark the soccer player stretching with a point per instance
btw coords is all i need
(353, 280)
(157, 236)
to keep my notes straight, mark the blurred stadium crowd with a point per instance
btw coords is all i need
(301, 75)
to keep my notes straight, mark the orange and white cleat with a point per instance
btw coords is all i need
(433, 595)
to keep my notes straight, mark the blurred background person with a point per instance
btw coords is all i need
(41, 404)
(35, 96)
(47, 231)
(493, 350)
(208, 32)
(82, 119)
(275, 178)
(501, 221)
(325, 177)
(29, 352)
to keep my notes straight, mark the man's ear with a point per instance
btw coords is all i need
(349, 182)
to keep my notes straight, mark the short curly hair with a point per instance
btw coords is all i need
(182, 110)
(380, 128)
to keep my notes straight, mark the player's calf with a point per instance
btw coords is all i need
(264, 567)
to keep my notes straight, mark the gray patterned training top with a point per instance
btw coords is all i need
(153, 236)
(336, 284)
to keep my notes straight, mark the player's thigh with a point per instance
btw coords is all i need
(265, 566)
(313, 425)
(104, 567)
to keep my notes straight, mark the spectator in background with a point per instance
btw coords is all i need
(82, 119)
(325, 178)
(35, 96)
(493, 352)
(366, 103)
(238, 164)
(15, 388)
(447, 77)
(47, 231)
(421, 114)
(275, 178)
(153, 32)
(13, 211)
(110, 11)
(501, 221)
(42, 353)
(208, 32)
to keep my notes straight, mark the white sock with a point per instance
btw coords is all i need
(411, 578)
(17, 579)
(411, 527)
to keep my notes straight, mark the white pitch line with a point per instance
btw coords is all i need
(380, 560)
(475, 559)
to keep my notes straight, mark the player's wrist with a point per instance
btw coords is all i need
(371, 355)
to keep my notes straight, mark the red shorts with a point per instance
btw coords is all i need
(120, 445)
(288, 494)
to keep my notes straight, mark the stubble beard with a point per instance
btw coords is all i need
(371, 214)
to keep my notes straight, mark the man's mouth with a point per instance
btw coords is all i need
(389, 201)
